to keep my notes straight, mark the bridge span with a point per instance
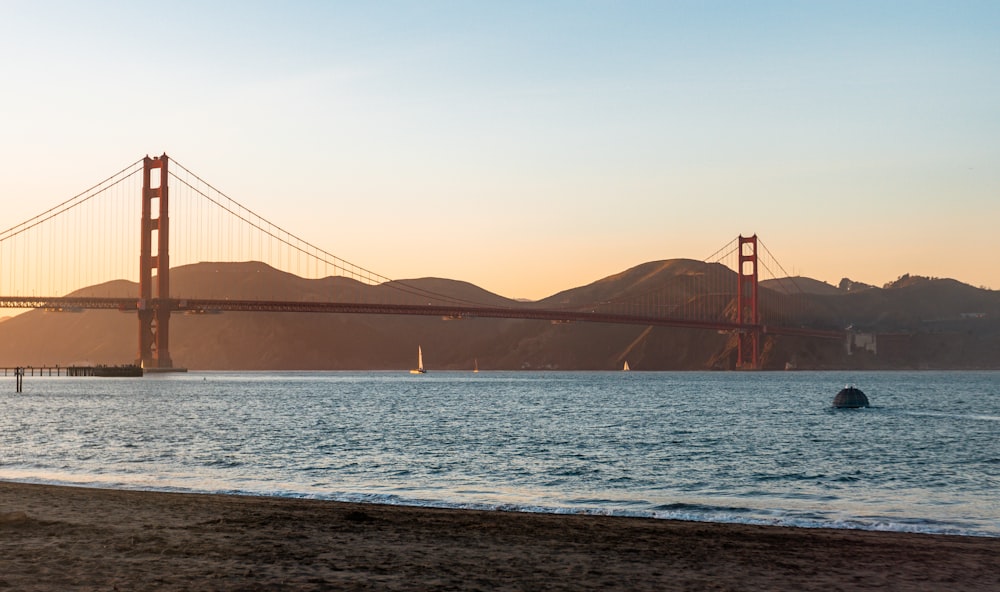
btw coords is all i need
(526, 312)
(38, 249)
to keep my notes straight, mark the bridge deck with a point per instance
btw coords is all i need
(76, 304)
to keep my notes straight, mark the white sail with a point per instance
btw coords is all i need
(420, 362)
(625, 368)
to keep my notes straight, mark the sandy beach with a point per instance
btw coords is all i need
(66, 538)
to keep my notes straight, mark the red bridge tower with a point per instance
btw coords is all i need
(154, 310)
(747, 312)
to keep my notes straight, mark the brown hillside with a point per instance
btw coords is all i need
(920, 323)
(800, 285)
(674, 279)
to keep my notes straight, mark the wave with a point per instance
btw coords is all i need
(943, 414)
(736, 515)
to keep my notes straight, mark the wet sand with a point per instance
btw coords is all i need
(65, 538)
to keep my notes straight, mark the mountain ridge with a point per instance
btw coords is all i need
(920, 323)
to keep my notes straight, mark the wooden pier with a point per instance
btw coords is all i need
(129, 370)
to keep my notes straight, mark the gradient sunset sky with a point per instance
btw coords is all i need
(531, 147)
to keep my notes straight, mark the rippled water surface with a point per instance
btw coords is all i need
(735, 447)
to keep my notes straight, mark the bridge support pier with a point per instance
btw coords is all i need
(154, 305)
(747, 311)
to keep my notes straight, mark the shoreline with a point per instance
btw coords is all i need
(65, 537)
(906, 526)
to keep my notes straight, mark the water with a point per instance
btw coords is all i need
(762, 448)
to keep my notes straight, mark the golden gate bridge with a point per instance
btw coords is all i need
(88, 241)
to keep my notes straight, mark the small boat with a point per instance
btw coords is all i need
(625, 368)
(420, 363)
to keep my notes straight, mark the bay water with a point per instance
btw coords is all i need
(754, 447)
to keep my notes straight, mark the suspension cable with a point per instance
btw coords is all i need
(358, 272)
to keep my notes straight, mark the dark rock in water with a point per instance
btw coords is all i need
(850, 398)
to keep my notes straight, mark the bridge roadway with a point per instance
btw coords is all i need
(202, 305)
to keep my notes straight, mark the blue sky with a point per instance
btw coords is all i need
(530, 147)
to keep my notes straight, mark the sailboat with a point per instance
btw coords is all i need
(475, 364)
(625, 368)
(420, 363)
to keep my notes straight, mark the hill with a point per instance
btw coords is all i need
(912, 323)
(799, 285)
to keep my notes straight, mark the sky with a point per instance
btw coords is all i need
(531, 147)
